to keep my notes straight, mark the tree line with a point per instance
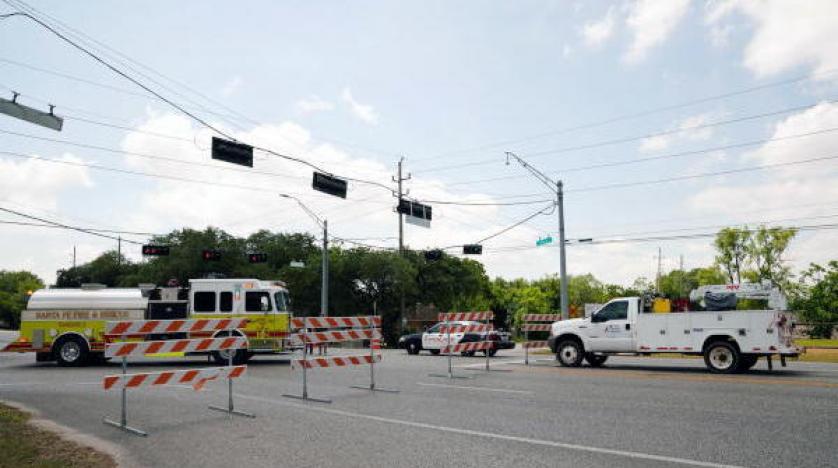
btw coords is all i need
(361, 276)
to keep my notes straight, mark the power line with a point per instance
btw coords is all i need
(172, 103)
(149, 156)
(615, 141)
(147, 174)
(817, 227)
(629, 116)
(551, 207)
(656, 158)
(67, 226)
(107, 231)
(677, 178)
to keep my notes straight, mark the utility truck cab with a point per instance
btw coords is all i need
(730, 340)
(68, 325)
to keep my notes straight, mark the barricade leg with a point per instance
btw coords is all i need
(450, 373)
(123, 419)
(230, 410)
(526, 348)
(305, 396)
(372, 386)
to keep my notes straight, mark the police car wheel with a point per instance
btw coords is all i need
(491, 352)
(434, 351)
(412, 347)
(71, 352)
(468, 353)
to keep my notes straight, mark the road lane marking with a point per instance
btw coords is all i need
(465, 387)
(488, 435)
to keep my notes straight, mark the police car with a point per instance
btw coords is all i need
(435, 339)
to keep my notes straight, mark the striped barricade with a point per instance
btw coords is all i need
(535, 323)
(336, 322)
(195, 377)
(142, 348)
(153, 327)
(334, 336)
(321, 330)
(449, 328)
(335, 361)
(468, 347)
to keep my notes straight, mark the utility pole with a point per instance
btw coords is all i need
(324, 288)
(558, 188)
(658, 277)
(118, 252)
(324, 224)
(74, 256)
(399, 179)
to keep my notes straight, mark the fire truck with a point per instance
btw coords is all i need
(68, 325)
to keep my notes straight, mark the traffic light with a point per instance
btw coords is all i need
(257, 257)
(211, 255)
(433, 255)
(155, 250)
(329, 184)
(472, 249)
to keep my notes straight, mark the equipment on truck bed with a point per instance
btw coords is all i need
(717, 297)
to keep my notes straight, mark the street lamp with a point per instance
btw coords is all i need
(556, 187)
(324, 224)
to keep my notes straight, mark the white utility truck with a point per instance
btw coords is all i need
(730, 340)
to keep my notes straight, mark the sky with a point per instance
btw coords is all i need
(661, 118)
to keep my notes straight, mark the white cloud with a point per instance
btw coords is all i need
(232, 86)
(596, 33)
(314, 104)
(364, 112)
(812, 187)
(687, 130)
(40, 183)
(651, 22)
(787, 33)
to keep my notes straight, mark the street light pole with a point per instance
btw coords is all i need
(558, 188)
(324, 224)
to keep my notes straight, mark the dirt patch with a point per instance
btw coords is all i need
(24, 445)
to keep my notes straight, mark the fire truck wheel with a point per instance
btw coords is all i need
(71, 351)
(222, 358)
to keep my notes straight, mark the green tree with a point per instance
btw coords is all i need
(816, 301)
(15, 289)
(765, 249)
(732, 251)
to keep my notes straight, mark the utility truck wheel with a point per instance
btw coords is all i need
(595, 360)
(412, 347)
(435, 352)
(722, 357)
(71, 351)
(747, 361)
(569, 353)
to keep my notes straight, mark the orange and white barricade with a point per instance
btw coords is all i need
(448, 328)
(336, 330)
(197, 378)
(536, 323)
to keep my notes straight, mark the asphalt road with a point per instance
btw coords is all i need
(634, 412)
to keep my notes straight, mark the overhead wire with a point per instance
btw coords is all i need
(175, 105)
(66, 226)
(615, 141)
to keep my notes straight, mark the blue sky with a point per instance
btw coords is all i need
(355, 85)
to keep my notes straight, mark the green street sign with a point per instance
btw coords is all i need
(544, 241)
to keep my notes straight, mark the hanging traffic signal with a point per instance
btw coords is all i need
(473, 249)
(433, 255)
(257, 257)
(155, 250)
(211, 255)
